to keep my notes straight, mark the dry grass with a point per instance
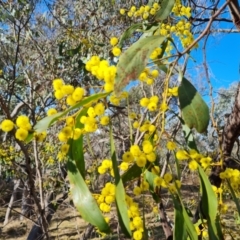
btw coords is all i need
(66, 223)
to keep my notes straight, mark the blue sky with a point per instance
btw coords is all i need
(223, 57)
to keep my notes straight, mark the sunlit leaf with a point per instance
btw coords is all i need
(76, 146)
(183, 224)
(209, 206)
(120, 193)
(195, 112)
(149, 176)
(133, 61)
(180, 231)
(165, 10)
(46, 122)
(83, 199)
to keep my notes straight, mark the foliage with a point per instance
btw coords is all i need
(68, 105)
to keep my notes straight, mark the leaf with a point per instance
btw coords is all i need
(128, 33)
(87, 100)
(83, 199)
(120, 193)
(29, 138)
(179, 231)
(46, 122)
(209, 206)
(189, 225)
(133, 61)
(149, 176)
(76, 146)
(195, 112)
(165, 10)
(183, 224)
(188, 135)
(133, 172)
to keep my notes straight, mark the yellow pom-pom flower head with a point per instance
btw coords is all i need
(113, 41)
(51, 111)
(7, 125)
(23, 122)
(78, 94)
(21, 134)
(116, 51)
(57, 84)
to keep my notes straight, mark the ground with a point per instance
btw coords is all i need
(66, 223)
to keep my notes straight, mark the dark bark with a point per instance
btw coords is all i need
(235, 12)
(27, 202)
(165, 223)
(230, 134)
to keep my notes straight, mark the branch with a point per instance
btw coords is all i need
(165, 224)
(206, 30)
(235, 12)
(208, 19)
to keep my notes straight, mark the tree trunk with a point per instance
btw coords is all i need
(27, 202)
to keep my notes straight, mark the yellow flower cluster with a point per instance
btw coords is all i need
(139, 156)
(151, 104)
(146, 127)
(69, 132)
(172, 92)
(136, 222)
(102, 71)
(90, 121)
(40, 136)
(66, 133)
(23, 124)
(73, 95)
(106, 198)
(194, 158)
(219, 191)
(182, 29)
(115, 100)
(63, 152)
(51, 111)
(105, 166)
(7, 153)
(180, 10)
(233, 175)
(167, 182)
(171, 145)
(156, 53)
(148, 76)
(116, 50)
(142, 12)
